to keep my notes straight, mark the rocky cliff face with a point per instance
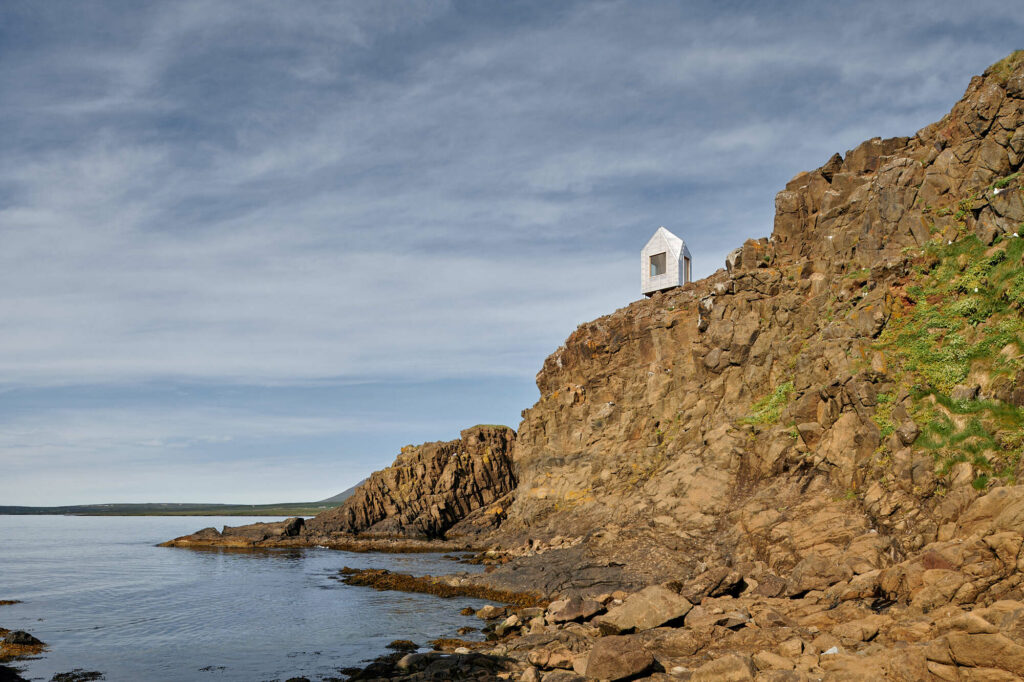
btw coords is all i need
(815, 451)
(431, 490)
(768, 416)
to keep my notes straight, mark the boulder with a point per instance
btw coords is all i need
(766, 660)
(618, 658)
(293, 526)
(22, 638)
(574, 609)
(731, 668)
(861, 630)
(490, 612)
(562, 676)
(552, 658)
(908, 432)
(649, 608)
(510, 623)
(986, 650)
(816, 572)
(530, 675)
(734, 260)
(962, 393)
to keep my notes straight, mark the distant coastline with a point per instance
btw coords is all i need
(185, 509)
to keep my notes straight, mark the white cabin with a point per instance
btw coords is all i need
(664, 263)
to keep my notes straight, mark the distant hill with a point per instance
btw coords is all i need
(342, 496)
(188, 509)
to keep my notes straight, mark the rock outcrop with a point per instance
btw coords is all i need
(454, 489)
(802, 467)
(771, 415)
(432, 488)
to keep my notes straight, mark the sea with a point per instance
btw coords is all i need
(105, 598)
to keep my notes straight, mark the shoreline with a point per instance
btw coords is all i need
(16, 645)
(346, 544)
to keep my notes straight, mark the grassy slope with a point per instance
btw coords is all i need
(960, 323)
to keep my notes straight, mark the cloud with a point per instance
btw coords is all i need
(328, 193)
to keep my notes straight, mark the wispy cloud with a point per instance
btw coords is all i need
(334, 192)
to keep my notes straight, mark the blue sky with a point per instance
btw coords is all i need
(249, 250)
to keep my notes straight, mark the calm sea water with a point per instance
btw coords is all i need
(104, 597)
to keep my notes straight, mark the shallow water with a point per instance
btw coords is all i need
(104, 597)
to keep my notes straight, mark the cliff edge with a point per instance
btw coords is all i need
(808, 461)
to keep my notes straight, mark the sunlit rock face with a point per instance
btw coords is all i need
(432, 490)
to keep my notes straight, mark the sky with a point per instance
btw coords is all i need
(249, 250)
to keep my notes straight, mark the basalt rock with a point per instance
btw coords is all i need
(430, 489)
(761, 443)
(750, 419)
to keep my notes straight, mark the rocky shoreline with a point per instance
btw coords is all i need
(18, 645)
(724, 626)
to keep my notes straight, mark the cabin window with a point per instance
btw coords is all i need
(658, 264)
(686, 262)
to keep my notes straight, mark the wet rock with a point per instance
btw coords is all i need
(77, 675)
(8, 674)
(22, 638)
(413, 661)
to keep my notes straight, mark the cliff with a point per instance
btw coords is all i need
(432, 488)
(768, 416)
(457, 489)
(805, 464)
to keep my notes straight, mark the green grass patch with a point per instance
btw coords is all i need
(1005, 67)
(883, 415)
(1003, 183)
(964, 310)
(854, 274)
(768, 409)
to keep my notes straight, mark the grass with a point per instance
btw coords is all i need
(1003, 183)
(883, 415)
(1005, 67)
(854, 274)
(768, 409)
(962, 309)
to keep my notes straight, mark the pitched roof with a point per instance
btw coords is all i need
(675, 244)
